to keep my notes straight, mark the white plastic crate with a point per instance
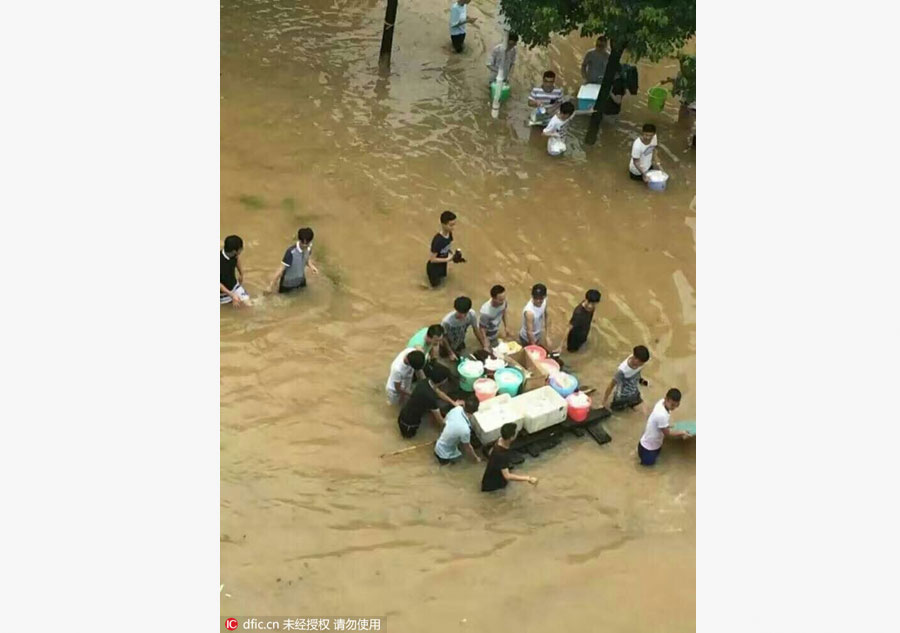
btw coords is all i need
(540, 408)
(488, 421)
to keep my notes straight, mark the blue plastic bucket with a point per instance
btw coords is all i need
(560, 377)
(506, 383)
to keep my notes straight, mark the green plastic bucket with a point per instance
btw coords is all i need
(467, 380)
(508, 380)
(656, 98)
(504, 92)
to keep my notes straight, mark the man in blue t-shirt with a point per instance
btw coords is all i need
(291, 275)
(457, 432)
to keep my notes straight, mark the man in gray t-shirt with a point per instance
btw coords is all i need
(456, 324)
(594, 64)
(626, 381)
(297, 258)
(492, 313)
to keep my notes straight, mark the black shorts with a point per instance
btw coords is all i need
(633, 177)
(458, 41)
(407, 430)
(283, 289)
(444, 462)
(575, 341)
(618, 404)
(436, 273)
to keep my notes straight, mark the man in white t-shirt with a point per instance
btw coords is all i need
(457, 432)
(657, 428)
(643, 153)
(399, 383)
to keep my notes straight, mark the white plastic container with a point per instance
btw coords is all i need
(540, 408)
(657, 179)
(489, 420)
(498, 400)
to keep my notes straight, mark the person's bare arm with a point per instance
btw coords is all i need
(437, 259)
(547, 342)
(235, 298)
(584, 68)
(471, 452)
(240, 271)
(311, 266)
(508, 476)
(609, 390)
(482, 338)
(446, 344)
(276, 278)
(673, 433)
(529, 328)
(505, 327)
(443, 396)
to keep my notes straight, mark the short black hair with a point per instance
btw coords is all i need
(641, 353)
(438, 373)
(649, 127)
(497, 290)
(549, 74)
(674, 395)
(513, 37)
(567, 108)
(539, 290)
(305, 235)
(416, 359)
(508, 430)
(592, 295)
(233, 243)
(447, 216)
(462, 304)
(435, 330)
(602, 38)
(471, 404)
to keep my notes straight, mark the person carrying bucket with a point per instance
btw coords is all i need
(536, 319)
(643, 154)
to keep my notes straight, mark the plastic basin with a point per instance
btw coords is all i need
(485, 389)
(469, 372)
(536, 352)
(579, 406)
(509, 380)
(549, 365)
(564, 384)
(657, 180)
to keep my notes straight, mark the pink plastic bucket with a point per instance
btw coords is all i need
(485, 389)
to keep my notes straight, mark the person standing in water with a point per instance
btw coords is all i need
(291, 275)
(594, 64)
(230, 274)
(509, 59)
(497, 475)
(456, 324)
(441, 253)
(536, 319)
(657, 429)
(492, 313)
(458, 21)
(626, 381)
(580, 324)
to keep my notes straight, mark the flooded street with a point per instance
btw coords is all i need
(313, 521)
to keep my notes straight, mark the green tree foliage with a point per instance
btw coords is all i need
(650, 29)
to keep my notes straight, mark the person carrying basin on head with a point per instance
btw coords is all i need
(230, 274)
(291, 274)
(536, 319)
(626, 381)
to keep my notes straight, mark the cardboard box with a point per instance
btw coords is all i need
(536, 376)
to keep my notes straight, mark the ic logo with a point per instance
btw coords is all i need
(231, 624)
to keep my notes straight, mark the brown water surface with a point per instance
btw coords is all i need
(310, 135)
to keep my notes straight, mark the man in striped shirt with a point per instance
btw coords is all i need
(546, 98)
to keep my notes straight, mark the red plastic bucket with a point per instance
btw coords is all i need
(485, 389)
(578, 411)
(536, 352)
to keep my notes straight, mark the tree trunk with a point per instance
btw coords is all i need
(387, 35)
(612, 67)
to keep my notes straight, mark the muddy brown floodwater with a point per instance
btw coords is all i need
(310, 135)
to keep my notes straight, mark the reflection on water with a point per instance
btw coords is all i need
(311, 134)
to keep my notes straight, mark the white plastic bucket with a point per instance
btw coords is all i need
(657, 179)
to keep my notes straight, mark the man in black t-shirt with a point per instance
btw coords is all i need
(441, 253)
(230, 273)
(580, 323)
(424, 399)
(497, 474)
